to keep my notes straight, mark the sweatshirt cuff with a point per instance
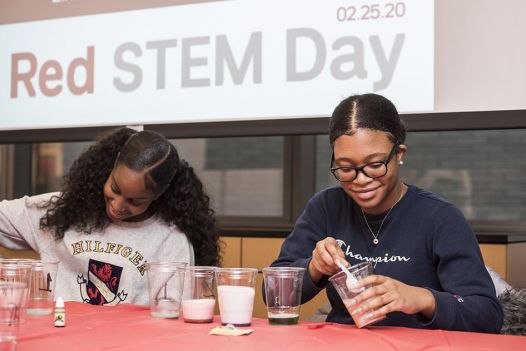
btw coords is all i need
(310, 288)
(443, 311)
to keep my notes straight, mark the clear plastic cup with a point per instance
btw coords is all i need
(14, 281)
(165, 281)
(236, 290)
(198, 296)
(345, 288)
(7, 343)
(42, 288)
(42, 278)
(6, 266)
(283, 294)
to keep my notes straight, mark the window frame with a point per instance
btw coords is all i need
(299, 156)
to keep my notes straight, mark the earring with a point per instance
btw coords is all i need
(401, 162)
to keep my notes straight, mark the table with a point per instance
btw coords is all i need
(130, 327)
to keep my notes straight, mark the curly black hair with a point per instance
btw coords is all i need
(81, 203)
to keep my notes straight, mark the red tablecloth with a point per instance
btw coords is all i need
(130, 327)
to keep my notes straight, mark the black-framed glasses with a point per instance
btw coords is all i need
(372, 170)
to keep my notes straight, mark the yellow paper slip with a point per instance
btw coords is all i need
(230, 330)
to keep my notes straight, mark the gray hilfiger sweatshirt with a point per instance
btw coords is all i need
(103, 268)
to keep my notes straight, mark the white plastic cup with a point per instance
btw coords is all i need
(236, 291)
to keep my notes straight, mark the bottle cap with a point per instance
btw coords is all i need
(60, 302)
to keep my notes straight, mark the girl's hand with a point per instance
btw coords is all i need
(324, 257)
(389, 295)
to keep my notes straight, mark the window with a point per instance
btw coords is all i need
(50, 162)
(243, 176)
(480, 171)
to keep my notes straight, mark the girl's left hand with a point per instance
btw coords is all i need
(388, 295)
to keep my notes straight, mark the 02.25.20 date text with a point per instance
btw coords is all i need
(371, 12)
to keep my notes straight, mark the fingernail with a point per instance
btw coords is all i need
(356, 311)
(368, 315)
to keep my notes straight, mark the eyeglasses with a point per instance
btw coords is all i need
(372, 170)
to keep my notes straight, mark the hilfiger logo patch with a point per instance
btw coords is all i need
(102, 285)
(86, 247)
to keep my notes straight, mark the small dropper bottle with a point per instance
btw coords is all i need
(60, 313)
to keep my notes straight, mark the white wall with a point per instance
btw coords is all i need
(480, 55)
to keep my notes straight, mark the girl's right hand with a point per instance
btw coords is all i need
(324, 257)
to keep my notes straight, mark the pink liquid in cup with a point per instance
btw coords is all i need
(360, 319)
(198, 310)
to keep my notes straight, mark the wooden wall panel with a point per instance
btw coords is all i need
(494, 255)
(231, 252)
(260, 253)
(516, 263)
(7, 253)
